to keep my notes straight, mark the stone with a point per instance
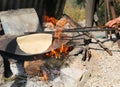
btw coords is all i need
(72, 75)
(68, 81)
(109, 44)
(38, 84)
(1, 65)
(85, 77)
(94, 53)
(75, 51)
(20, 21)
(17, 68)
(1, 69)
(118, 42)
(48, 25)
(57, 82)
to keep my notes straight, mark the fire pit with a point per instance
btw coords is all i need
(58, 59)
(44, 65)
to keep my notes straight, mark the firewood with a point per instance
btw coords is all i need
(33, 67)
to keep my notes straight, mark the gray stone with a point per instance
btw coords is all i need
(1, 65)
(75, 74)
(75, 51)
(109, 44)
(84, 78)
(68, 81)
(17, 68)
(36, 84)
(1, 69)
(57, 82)
(20, 21)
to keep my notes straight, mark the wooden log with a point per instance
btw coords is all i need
(33, 70)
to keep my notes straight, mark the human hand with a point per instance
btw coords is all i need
(116, 1)
(113, 23)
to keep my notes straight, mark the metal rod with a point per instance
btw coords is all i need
(71, 38)
(82, 30)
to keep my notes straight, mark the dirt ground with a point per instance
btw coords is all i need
(105, 68)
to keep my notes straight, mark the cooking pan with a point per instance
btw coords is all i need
(31, 44)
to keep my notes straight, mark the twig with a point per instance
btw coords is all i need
(90, 35)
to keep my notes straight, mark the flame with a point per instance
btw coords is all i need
(57, 52)
(50, 19)
(63, 48)
(54, 52)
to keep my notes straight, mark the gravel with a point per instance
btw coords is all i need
(105, 69)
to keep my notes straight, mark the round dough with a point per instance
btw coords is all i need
(34, 43)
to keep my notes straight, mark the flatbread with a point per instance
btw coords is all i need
(34, 43)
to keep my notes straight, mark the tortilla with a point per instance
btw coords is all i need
(34, 43)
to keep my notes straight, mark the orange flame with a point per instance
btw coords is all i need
(63, 48)
(50, 19)
(57, 41)
(57, 52)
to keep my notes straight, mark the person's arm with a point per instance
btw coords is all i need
(113, 23)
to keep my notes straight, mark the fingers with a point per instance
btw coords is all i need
(113, 23)
(119, 29)
(116, 1)
(114, 26)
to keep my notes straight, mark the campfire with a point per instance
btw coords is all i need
(62, 45)
(59, 52)
(49, 54)
(40, 47)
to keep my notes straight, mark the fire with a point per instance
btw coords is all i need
(58, 23)
(54, 52)
(63, 48)
(50, 19)
(57, 52)
(57, 41)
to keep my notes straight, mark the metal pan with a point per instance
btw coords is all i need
(9, 44)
